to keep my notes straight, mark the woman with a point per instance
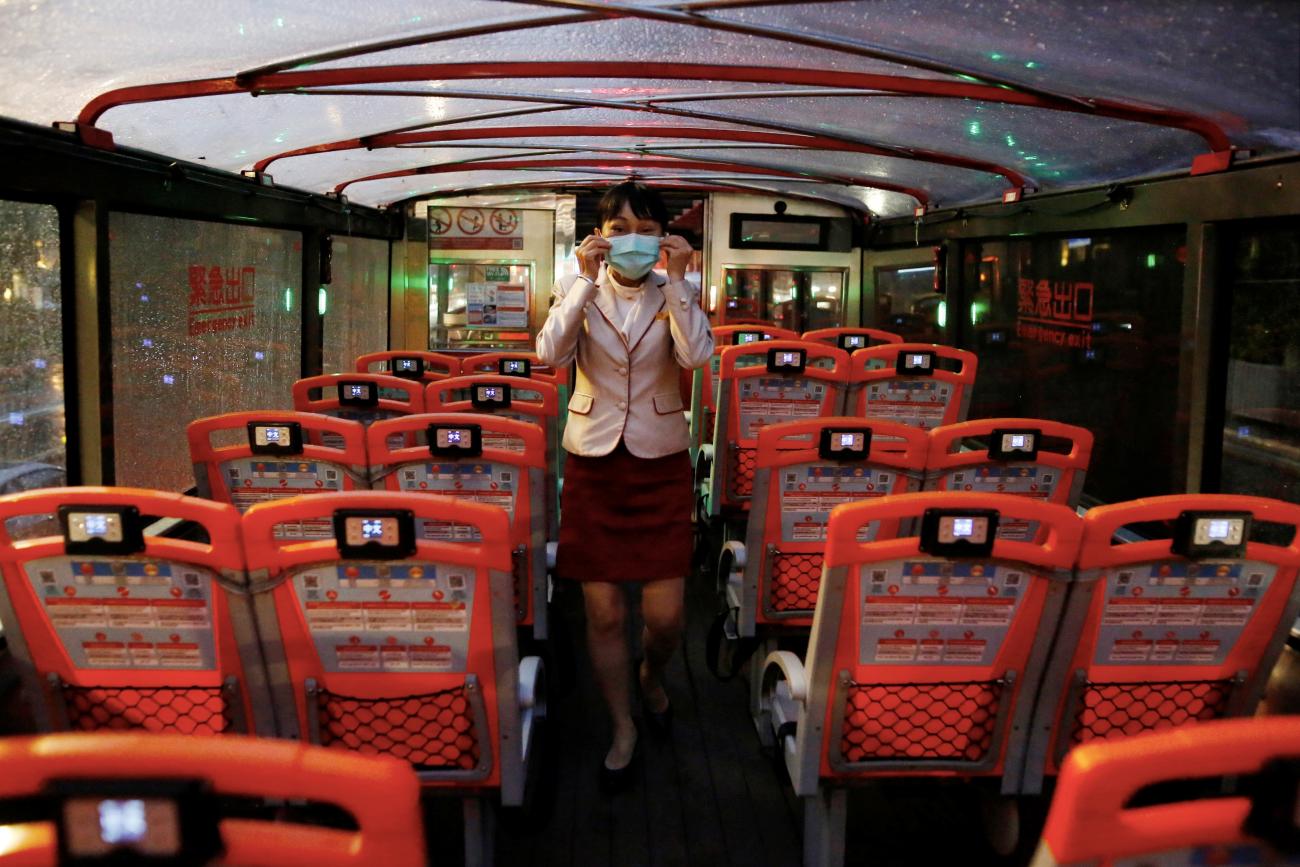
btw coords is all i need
(626, 507)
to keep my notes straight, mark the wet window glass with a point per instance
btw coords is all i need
(1261, 430)
(355, 303)
(33, 443)
(205, 320)
(1085, 330)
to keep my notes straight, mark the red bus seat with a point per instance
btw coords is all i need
(361, 397)
(1094, 823)
(119, 628)
(1162, 632)
(1043, 460)
(499, 363)
(503, 464)
(925, 650)
(380, 641)
(911, 383)
(852, 339)
(526, 400)
(772, 578)
(246, 468)
(704, 401)
(99, 787)
(409, 364)
(756, 389)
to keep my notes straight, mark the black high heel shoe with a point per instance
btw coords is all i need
(615, 780)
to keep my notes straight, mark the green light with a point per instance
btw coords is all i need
(322, 301)
(995, 56)
(1031, 65)
(1011, 142)
(941, 314)
(288, 299)
(967, 77)
(1151, 260)
(978, 309)
(974, 127)
(1030, 157)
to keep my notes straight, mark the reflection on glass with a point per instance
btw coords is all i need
(32, 436)
(907, 304)
(356, 318)
(218, 305)
(799, 300)
(1085, 331)
(1261, 431)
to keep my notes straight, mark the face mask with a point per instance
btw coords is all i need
(633, 255)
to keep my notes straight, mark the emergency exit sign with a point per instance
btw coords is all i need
(496, 273)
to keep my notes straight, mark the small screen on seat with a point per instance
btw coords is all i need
(407, 367)
(959, 533)
(380, 534)
(786, 360)
(839, 444)
(1006, 444)
(853, 341)
(456, 441)
(743, 337)
(84, 526)
(358, 394)
(514, 367)
(1210, 534)
(915, 363)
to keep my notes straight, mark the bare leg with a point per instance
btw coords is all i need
(662, 609)
(606, 612)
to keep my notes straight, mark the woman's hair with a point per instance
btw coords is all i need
(646, 203)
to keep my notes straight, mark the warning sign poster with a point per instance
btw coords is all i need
(476, 229)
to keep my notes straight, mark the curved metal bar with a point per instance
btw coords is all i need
(491, 164)
(652, 106)
(526, 158)
(801, 140)
(685, 14)
(93, 110)
(826, 42)
(713, 185)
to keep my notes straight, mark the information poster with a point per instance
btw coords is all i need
(496, 305)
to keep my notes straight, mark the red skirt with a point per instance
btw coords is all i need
(624, 518)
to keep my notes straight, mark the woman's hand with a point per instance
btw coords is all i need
(591, 252)
(679, 252)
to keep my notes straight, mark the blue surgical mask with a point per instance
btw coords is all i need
(633, 255)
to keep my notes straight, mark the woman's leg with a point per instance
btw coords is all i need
(607, 641)
(663, 612)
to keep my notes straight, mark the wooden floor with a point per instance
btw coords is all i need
(706, 795)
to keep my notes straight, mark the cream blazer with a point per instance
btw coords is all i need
(627, 387)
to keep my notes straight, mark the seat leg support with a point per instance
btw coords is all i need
(480, 832)
(823, 827)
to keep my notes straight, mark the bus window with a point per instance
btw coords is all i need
(1085, 330)
(32, 435)
(355, 303)
(1261, 429)
(205, 320)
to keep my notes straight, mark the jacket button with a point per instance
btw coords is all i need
(622, 371)
(685, 303)
(622, 404)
